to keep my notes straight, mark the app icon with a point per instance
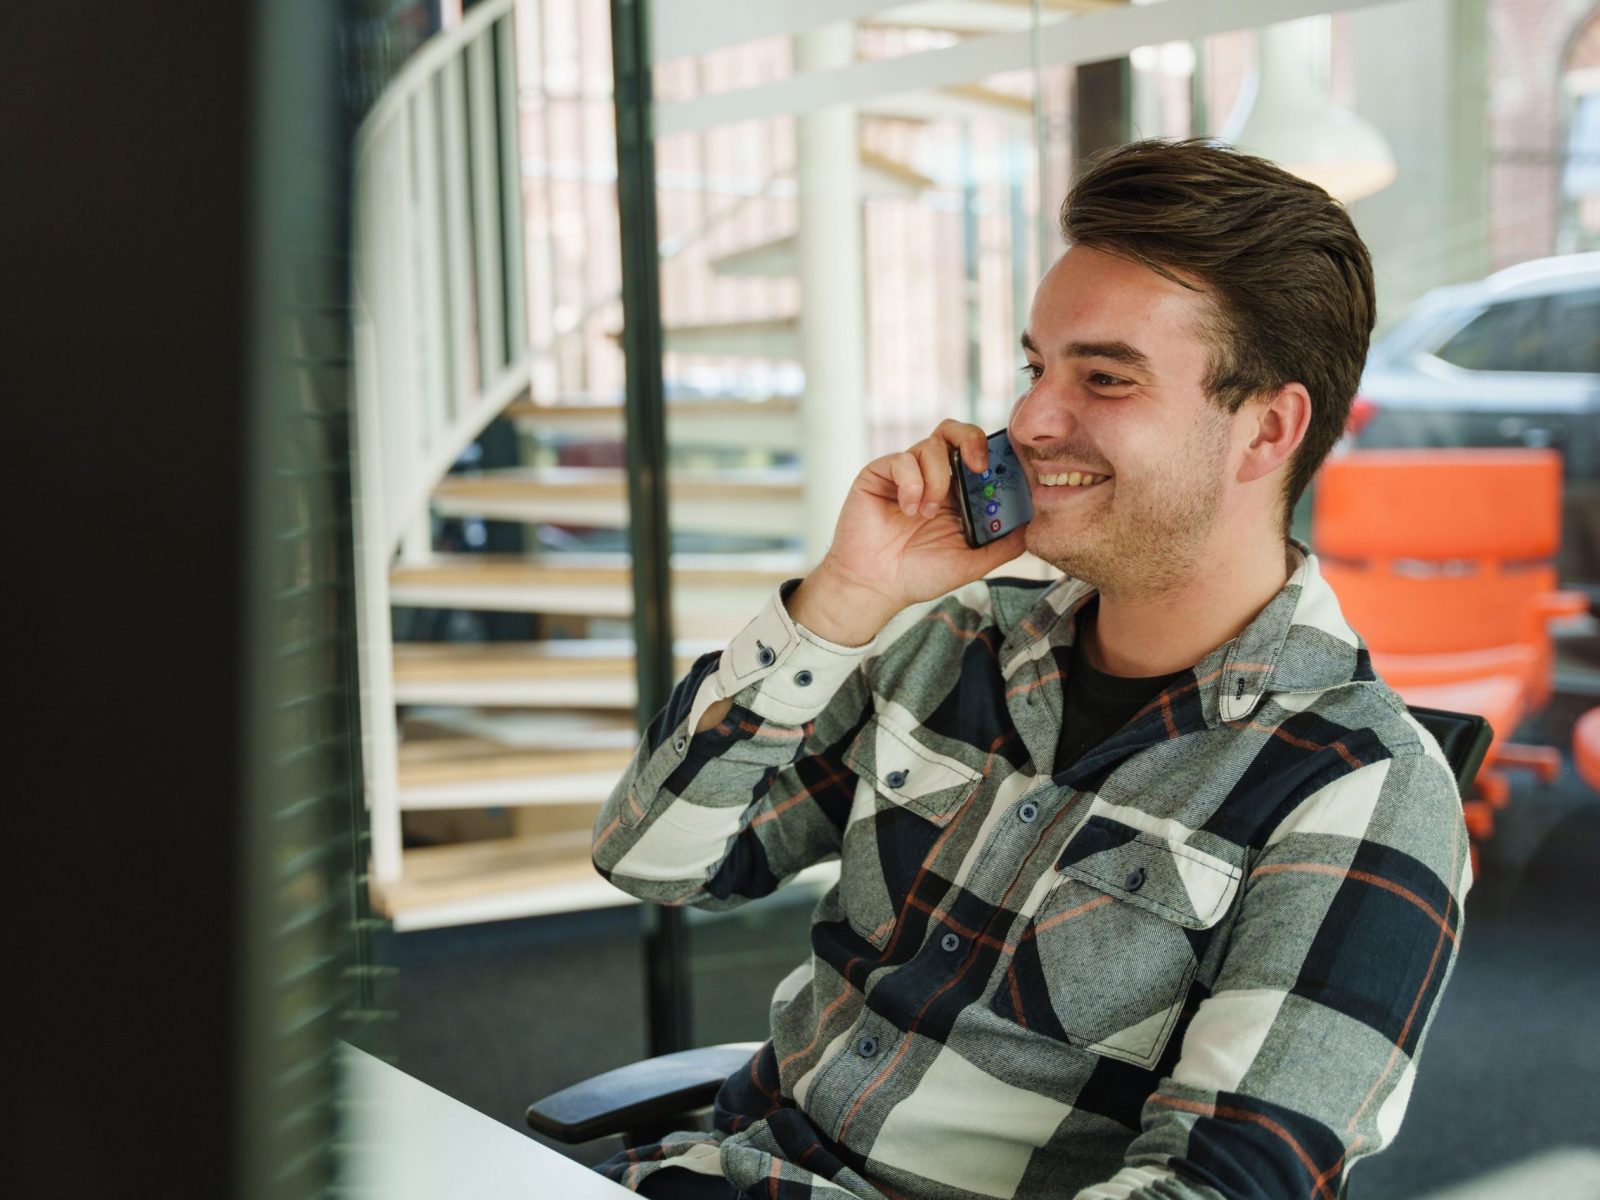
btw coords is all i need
(991, 508)
(988, 490)
(994, 526)
(988, 474)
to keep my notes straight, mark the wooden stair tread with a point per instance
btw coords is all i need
(784, 324)
(893, 168)
(490, 570)
(465, 761)
(510, 877)
(608, 483)
(422, 727)
(527, 409)
(548, 873)
(416, 662)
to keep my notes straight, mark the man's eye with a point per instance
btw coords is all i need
(1032, 371)
(1101, 379)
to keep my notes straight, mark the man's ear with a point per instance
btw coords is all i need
(1276, 425)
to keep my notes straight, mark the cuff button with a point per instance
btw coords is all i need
(895, 779)
(803, 678)
(765, 655)
(1135, 880)
(680, 744)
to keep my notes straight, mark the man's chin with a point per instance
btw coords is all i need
(1063, 552)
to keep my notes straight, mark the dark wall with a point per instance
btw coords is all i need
(123, 234)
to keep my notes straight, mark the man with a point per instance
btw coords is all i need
(1149, 887)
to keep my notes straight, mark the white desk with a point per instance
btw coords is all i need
(407, 1141)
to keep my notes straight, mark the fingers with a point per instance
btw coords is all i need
(933, 460)
(972, 440)
(910, 487)
(921, 476)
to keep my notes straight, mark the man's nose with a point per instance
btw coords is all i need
(1041, 415)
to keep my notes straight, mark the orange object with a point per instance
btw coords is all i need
(1586, 747)
(1443, 561)
(1437, 552)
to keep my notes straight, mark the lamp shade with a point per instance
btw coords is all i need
(1285, 113)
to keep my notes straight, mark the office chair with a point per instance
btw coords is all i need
(1444, 560)
(1586, 748)
(645, 1100)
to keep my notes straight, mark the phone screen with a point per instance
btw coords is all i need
(995, 501)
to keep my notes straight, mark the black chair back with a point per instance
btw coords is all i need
(1464, 738)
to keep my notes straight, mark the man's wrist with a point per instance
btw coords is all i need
(836, 610)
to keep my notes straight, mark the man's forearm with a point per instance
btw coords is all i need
(832, 608)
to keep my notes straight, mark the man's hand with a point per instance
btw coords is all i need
(898, 541)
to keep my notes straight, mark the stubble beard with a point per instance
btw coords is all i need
(1152, 538)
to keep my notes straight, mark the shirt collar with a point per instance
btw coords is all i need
(1300, 642)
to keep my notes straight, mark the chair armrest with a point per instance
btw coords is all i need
(642, 1094)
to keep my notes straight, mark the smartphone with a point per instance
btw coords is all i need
(994, 502)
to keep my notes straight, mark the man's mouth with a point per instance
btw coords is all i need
(1073, 479)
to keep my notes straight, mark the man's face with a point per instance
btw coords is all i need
(1115, 362)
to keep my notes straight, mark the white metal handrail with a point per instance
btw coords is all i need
(441, 330)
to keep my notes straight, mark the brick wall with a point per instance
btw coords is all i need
(1528, 39)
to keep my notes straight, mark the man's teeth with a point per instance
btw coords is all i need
(1072, 479)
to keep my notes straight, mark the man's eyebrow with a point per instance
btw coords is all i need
(1119, 352)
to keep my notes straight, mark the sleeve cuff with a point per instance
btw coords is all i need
(780, 670)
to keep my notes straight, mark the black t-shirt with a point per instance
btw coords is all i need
(1098, 704)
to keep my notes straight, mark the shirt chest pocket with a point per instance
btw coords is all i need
(906, 795)
(1108, 958)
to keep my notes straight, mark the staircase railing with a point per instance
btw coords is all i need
(441, 328)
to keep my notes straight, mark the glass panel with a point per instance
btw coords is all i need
(852, 220)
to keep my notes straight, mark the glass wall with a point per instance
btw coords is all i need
(853, 216)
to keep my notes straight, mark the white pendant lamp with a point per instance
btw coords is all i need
(1286, 114)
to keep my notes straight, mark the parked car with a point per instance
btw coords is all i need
(1511, 360)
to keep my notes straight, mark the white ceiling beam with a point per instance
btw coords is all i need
(1091, 37)
(680, 27)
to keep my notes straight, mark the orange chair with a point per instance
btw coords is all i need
(1586, 748)
(1443, 561)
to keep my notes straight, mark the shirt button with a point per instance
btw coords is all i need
(1135, 880)
(803, 678)
(895, 779)
(950, 943)
(867, 1047)
(680, 744)
(1028, 813)
(765, 656)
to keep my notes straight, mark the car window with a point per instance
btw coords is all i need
(1575, 332)
(1511, 336)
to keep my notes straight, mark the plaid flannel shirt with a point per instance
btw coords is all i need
(1198, 962)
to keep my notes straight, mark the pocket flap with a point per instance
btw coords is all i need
(909, 772)
(1176, 881)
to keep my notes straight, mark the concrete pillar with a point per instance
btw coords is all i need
(833, 329)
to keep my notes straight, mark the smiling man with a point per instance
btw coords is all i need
(1148, 886)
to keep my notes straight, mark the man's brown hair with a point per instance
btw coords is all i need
(1290, 277)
